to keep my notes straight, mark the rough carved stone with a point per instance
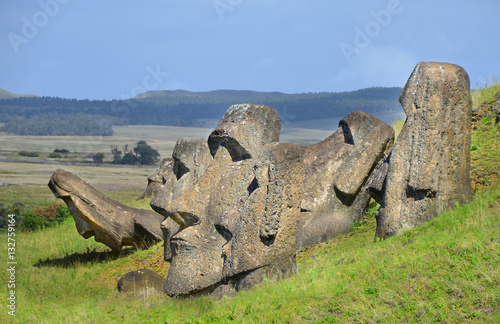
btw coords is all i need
(336, 171)
(109, 221)
(240, 217)
(238, 205)
(189, 160)
(141, 283)
(429, 168)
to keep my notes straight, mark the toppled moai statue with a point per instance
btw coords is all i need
(109, 221)
(245, 211)
(239, 217)
(238, 205)
(336, 172)
(428, 170)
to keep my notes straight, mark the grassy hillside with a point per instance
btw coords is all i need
(4, 94)
(485, 148)
(447, 270)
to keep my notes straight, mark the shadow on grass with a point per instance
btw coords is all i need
(91, 256)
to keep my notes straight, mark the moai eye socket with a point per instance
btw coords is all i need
(219, 138)
(179, 169)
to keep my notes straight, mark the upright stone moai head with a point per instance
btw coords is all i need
(429, 167)
(238, 219)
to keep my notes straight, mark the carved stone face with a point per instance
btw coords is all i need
(233, 221)
(256, 200)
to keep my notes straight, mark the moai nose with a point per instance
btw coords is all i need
(182, 215)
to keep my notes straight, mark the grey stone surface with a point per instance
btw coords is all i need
(110, 222)
(141, 283)
(336, 172)
(429, 167)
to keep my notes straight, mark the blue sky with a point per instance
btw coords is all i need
(115, 49)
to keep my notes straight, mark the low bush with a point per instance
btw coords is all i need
(62, 151)
(37, 218)
(54, 155)
(29, 154)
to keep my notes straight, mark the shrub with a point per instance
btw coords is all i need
(40, 218)
(98, 157)
(32, 222)
(130, 158)
(54, 155)
(29, 154)
(56, 212)
(62, 151)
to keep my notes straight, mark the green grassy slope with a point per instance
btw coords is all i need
(447, 270)
(4, 94)
(485, 148)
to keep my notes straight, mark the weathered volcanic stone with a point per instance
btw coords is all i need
(238, 205)
(156, 180)
(111, 222)
(429, 167)
(141, 283)
(243, 217)
(190, 158)
(244, 129)
(239, 219)
(336, 171)
(177, 175)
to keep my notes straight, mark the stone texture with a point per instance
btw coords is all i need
(141, 283)
(190, 158)
(242, 218)
(429, 167)
(109, 221)
(244, 129)
(156, 180)
(239, 220)
(336, 171)
(238, 205)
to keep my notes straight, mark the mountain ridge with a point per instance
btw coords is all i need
(221, 93)
(196, 109)
(4, 94)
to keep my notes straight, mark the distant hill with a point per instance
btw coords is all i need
(208, 94)
(200, 109)
(4, 94)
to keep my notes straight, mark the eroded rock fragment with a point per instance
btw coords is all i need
(141, 283)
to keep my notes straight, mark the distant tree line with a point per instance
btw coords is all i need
(142, 154)
(181, 109)
(61, 125)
